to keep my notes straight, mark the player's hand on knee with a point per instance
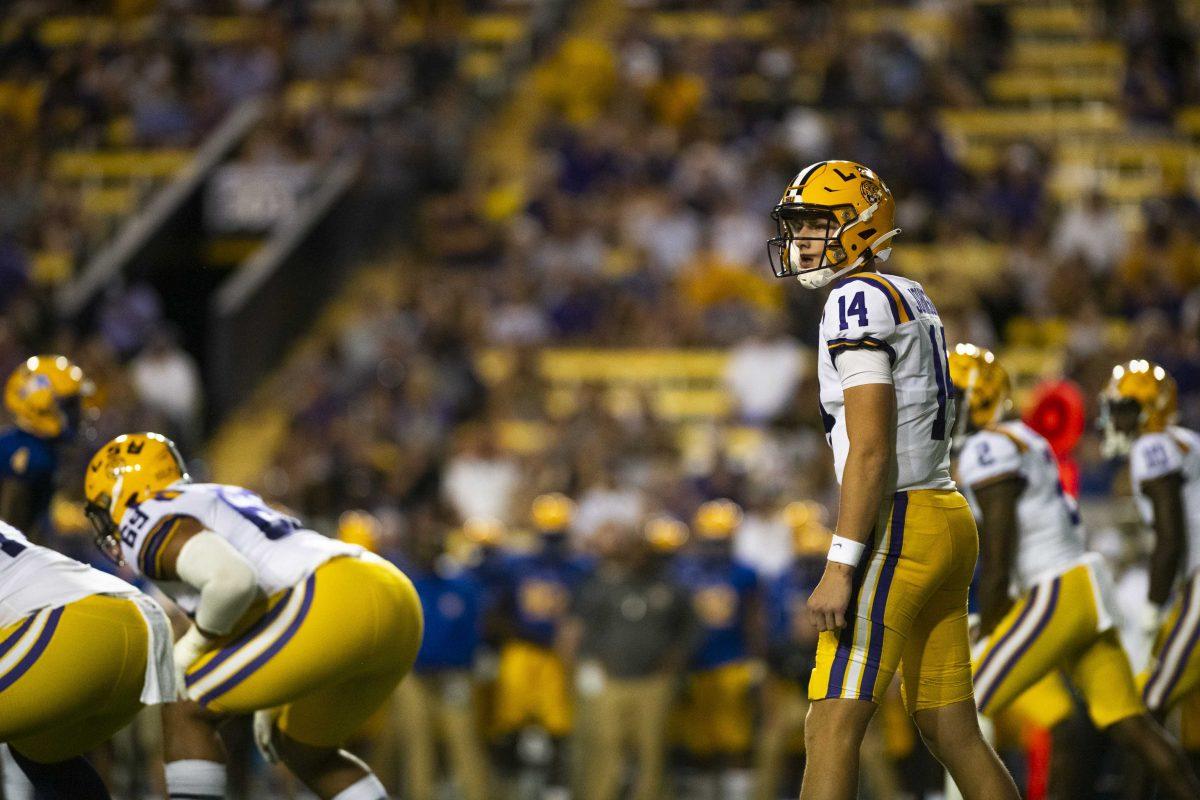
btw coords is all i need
(828, 603)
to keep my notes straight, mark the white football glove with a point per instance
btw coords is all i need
(188, 650)
(264, 734)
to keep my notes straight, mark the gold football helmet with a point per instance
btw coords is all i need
(717, 519)
(806, 520)
(483, 531)
(983, 386)
(359, 527)
(132, 466)
(552, 513)
(666, 534)
(1141, 397)
(852, 213)
(45, 396)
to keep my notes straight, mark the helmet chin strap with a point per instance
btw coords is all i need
(816, 278)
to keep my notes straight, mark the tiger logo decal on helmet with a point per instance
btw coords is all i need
(834, 217)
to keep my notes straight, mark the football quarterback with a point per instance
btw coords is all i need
(900, 563)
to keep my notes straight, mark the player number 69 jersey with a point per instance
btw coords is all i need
(279, 548)
(1157, 454)
(891, 314)
(1051, 537)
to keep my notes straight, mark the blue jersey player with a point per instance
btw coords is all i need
(44, 397)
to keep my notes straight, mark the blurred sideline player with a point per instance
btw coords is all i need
(895, 582)
(791, 645)
(1064, 617)
(532, 684)
(311, 633)
(1138, 415)
(487, 560)
(81, 652)
(44, 396)
(436, 703)
(716, 717)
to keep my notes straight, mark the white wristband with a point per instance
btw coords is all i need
(845, 551)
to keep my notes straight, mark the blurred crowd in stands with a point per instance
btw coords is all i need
(637, 219)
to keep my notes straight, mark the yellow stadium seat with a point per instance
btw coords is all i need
(1052, 20)
(70, 31)
(495, 29)
(676, 25)
(52, 267)
(73, 165)
(108, 201)
(928, 22)
(1041, 124)
(676, 404)
(632, 365)
(226, 30)
(1075, 56)
(1187, 120)
(1027, 86)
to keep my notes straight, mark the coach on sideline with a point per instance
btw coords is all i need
(635, 628)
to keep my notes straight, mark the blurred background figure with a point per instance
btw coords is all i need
(534, 709)
(167, 380)
(716, 717)
(437, 707)
(45, 397)
(791, 647)
(630, 633)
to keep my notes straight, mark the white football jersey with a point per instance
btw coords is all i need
(1050, 537)
(34, 577)
(892, 314)
(1157, 454)
(279, 548)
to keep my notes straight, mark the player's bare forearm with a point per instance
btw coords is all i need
(871, 428)
(1166, 496)
(998, 536)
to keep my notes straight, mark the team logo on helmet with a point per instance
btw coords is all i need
(871, 192)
